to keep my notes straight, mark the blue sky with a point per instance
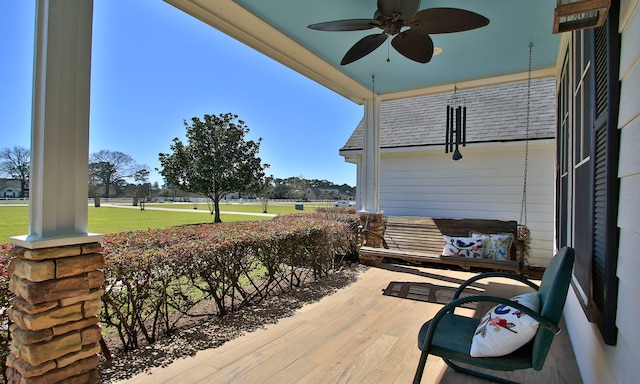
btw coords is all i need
(155, 66)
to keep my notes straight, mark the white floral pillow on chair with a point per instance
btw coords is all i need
(504, 329)
(469, 247)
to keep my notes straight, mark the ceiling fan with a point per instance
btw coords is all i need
(392, 17)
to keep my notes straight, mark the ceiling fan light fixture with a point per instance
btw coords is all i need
(572, 15)
(408, 27)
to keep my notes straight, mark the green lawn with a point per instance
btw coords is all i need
(14, 220)
(275, 208)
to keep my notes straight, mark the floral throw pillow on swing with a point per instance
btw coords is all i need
(504, 329)
(497, 246)
(463, 247)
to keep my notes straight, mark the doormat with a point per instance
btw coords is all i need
(428, 292)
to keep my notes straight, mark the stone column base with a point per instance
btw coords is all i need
(55, 325)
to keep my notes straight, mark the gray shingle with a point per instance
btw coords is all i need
(494, 113)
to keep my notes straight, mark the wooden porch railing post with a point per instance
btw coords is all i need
(372, 231)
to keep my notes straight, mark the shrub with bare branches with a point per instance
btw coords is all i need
(155, 277)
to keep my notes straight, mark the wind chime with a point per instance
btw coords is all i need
(456, 125)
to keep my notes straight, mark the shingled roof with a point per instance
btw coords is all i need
(495, 113)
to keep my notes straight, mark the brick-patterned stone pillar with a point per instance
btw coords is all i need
(55, 331)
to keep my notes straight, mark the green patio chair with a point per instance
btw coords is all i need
(449, 335)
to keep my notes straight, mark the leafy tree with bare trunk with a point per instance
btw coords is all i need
(113, 167)
(266, 192)
(216, 160)
(16, 163)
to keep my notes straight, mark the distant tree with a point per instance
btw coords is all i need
(15, 163)
(215, 161)
(280, 189)
(171, 191)
(266, 192)
(298, 187)
(112, 168)
(142, 175)
(320, 184)
(144, 188)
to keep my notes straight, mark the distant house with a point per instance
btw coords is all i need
(417, 177)
(10, 188)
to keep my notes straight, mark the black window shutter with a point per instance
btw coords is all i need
(606, 186)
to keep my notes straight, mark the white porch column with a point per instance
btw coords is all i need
(57, 269)
(60, 125)
(369, 188)
(360, 185)
(371, 218)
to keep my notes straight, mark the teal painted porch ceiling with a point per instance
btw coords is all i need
(501, 48)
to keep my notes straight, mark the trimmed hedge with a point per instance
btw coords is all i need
(340, 214)
(337, 210)
(154, 278)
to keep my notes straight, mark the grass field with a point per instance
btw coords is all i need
(14, 220)
(275, 207)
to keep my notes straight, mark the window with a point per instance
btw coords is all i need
(587, 158)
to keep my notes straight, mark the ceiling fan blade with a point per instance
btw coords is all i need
(414, 46)
(446, 20)
(404, 8)
(363, 47)
(346, 25)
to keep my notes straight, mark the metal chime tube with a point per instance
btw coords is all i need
(464, 126)
(456, 153)
(451, 130)
(456, 132)
(446, 136)
(458, 126)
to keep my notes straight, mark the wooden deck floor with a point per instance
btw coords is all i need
(356, 335)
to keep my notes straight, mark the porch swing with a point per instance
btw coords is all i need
(420, 239)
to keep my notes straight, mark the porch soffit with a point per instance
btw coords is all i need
(491, 55)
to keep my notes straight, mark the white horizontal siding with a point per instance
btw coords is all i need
(485, 184)
(625, 356)
(629, 154)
